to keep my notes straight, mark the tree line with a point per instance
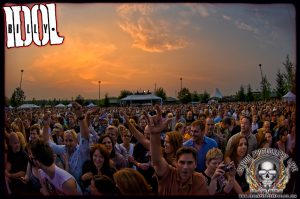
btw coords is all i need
(285, 81)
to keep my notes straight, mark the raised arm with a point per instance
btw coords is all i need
(156, 126)
(90, 126)
(82, 120)
(46, 127)
(136, 133)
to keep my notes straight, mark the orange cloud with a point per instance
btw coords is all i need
(148, 33)
(73, 59)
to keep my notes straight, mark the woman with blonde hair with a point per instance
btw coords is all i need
(179, 127)
(131, 182)
(20, 135)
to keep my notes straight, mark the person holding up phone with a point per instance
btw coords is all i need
(220, 177)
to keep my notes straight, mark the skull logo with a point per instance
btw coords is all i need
(267, 174)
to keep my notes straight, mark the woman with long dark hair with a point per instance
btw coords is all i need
(100, 163)
(119, 161)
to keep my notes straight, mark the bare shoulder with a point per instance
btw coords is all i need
(70, 186)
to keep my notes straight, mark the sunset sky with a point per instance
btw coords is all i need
(135, 46)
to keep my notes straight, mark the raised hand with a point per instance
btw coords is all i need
(232, 171)
(77, 109)
(123, 114)
(46, 120)
(90, 112)
(156, 123)
(219, 171)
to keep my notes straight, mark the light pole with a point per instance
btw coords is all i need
(21, 78)
(261, 74)
(180, 83)
(99, 91)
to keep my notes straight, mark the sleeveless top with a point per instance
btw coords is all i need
(54, 185)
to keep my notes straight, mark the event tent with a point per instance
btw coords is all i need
(141, 99)
(60, 106)
(289, 97)
(217, 94)
(28, 106)
(91, 105)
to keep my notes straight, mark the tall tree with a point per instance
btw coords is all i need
(249, 95)
(240, 96)
(205, 97)
(160, 92)
(184, 96)
(124, 93)
(195, 97)
(280, 84)
(265, 88)
(289, 75)
(18, 97)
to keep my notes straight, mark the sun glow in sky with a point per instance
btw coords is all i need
(135, 46)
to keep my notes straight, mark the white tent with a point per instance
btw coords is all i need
(91, 105)
(289, 97)
(142, 99)
(212, 101)
(28, 106)
(60, 106)
(69, 105)
(216, 94)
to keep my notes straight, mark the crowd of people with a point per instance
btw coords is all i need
(148, 150)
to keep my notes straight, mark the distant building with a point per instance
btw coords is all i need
(114, 101)
(171, 100)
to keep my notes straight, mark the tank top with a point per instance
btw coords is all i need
(54, 185)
